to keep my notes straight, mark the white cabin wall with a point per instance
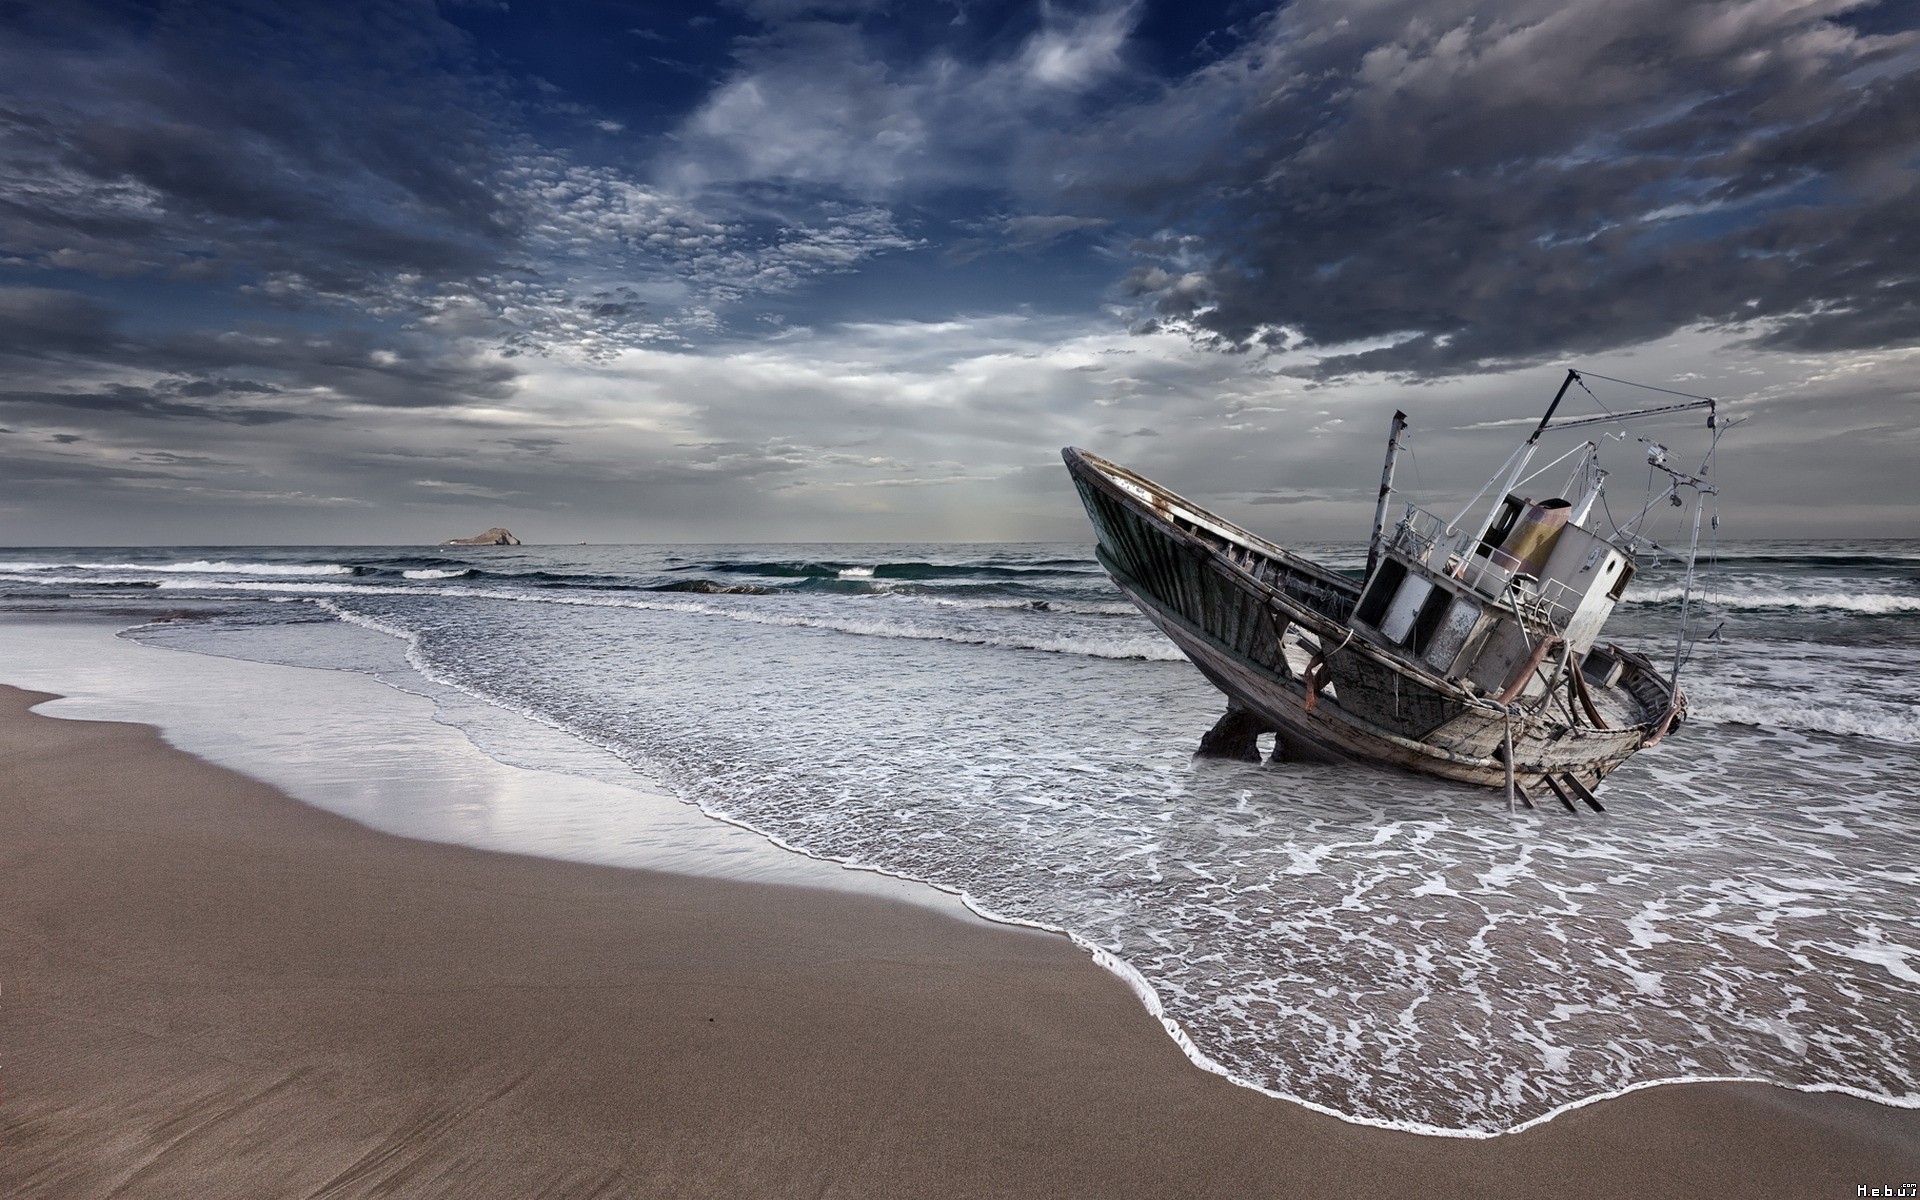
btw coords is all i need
(1590, 566)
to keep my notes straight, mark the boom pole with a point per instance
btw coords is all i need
(1521, 458)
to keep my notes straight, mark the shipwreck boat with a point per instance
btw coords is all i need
(1469, 650)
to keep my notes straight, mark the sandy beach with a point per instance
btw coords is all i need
(212, 990)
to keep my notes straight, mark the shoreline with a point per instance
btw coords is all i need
(212, 989)
(352, 712)
(372, 742)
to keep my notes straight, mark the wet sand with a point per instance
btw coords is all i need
(210, 990)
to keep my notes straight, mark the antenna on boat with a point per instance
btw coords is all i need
(1657, 457)
(1386, 489)
(1676, 479)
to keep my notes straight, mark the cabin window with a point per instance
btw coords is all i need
(1501, 527)
(1429, 619)
(1386, 581)
(1620, 584)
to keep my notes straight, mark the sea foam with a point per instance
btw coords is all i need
(1396, 951)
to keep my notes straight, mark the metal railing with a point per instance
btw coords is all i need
(1425, 539)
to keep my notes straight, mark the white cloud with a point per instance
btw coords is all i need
(1079, 53)
(918, 430)
(814, 103)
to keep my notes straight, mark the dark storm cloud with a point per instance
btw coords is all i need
(351, 365)
(367, 159)
(329, 147)
(45, 322)
(125, 400)
(64, 343)
(1492, 183)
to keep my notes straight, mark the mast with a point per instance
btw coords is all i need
(1386, 489)
(1520, 460)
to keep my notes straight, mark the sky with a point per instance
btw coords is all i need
(394, 271)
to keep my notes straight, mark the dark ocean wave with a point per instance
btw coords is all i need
(847, 587)
(92, 587)
(1074, 566)
(559, 579)
(774, 570)
(930, 571)
(1892, 562)
(710, 587)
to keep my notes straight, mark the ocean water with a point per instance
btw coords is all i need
(998, 721)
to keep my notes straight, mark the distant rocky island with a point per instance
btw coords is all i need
(492, 537)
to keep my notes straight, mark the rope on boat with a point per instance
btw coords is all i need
(1317, 669)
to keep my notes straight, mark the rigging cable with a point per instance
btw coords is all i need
(1712, 572)
(1581, 380)
(1580, 449)
(1419, 484)
(1647, 386)
(1452, 528)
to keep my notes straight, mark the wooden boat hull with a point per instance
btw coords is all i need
(1272, 631)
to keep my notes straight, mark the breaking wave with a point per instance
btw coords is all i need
(1887, 723)
(921, 571)
(1144, 644)
(197, 567)
(1869, 603)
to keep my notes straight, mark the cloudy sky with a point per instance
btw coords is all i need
(614, 270)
